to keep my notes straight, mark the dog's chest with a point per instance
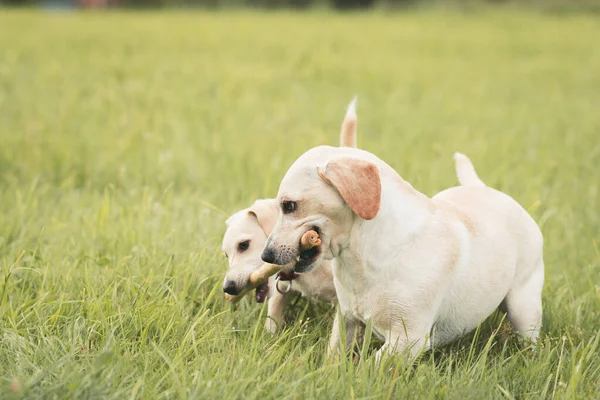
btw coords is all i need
(366, 297)
(317, 284)
(353, 295)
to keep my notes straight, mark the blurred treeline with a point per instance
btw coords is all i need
(294, 4)
(554, 5)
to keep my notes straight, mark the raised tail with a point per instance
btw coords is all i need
(466, 172)
(348, 133)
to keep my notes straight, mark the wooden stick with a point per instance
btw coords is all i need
(309, 240)
(257, 278)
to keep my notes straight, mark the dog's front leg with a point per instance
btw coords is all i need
(351, 326)
(334, 339)
(407, 343)
(276, 307)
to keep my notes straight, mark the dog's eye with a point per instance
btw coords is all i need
(243, 246)
(288, 207)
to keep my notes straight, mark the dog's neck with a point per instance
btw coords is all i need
(376, 243)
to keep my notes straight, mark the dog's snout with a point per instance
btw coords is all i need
(268, 255)
(229, 287)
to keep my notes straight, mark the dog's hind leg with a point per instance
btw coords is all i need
(523, 304)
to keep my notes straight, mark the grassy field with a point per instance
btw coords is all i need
(127, 139)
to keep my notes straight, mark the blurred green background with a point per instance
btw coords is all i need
(560, 6)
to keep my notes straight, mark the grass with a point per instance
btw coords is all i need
(128, 138)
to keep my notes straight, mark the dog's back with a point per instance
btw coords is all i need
(490, 213)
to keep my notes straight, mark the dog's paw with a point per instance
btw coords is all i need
(271, 325)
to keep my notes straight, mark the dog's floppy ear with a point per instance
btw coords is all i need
(358, 182)
(266, 212)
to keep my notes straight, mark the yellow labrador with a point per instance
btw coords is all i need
(245, 238)
(423, 270)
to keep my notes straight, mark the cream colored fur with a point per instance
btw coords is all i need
(423, 270)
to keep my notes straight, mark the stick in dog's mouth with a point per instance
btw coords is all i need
(310, 249)
(259, 281)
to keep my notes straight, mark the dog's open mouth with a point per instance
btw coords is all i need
(307, 257)
(262, 292)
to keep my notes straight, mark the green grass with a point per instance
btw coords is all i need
(127, 139)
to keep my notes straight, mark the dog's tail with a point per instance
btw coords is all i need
(466, 172)
(348, 134)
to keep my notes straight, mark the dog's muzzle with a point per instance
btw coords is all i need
(268, 255)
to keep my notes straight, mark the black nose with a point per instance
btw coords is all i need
(268, 255)
(229, 288)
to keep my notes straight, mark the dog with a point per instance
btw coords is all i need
(423, 271)
(244, 240)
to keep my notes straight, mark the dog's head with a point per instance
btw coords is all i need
(325, 190)
(243, 243)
